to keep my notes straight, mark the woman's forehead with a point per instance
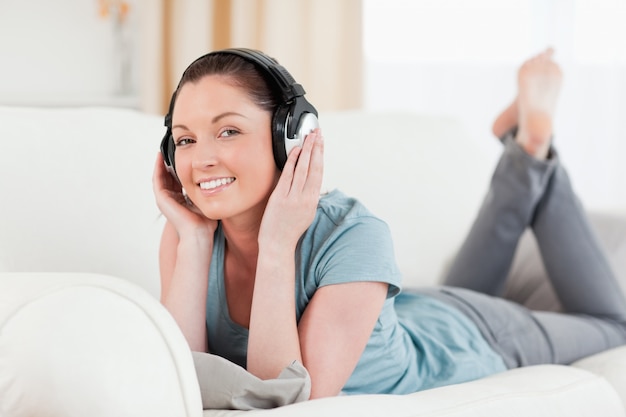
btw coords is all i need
(212, 97)
(214, 92)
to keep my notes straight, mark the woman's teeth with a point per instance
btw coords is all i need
(209, 185)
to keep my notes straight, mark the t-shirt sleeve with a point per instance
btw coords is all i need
(359, 250)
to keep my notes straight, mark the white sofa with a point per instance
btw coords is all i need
(82, 332)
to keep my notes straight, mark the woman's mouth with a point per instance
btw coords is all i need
(213, 184)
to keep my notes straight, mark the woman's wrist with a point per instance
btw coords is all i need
(196, 237)
(194, 250)
(276, 255)
(273, 244)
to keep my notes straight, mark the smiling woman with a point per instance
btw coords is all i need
(259, 268)
(223, 148)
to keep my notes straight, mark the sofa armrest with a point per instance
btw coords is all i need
(90, 345)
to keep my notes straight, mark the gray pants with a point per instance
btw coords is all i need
(526, 192)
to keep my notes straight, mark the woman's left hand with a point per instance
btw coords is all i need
(273, 341)
(291, 207)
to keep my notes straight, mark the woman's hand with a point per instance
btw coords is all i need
(291, 207)
(273, 341)
(178, 210)
(184, 257)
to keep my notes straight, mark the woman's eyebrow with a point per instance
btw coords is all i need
(225, 114)
(214, 120)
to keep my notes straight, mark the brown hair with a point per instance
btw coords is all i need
(239, 72)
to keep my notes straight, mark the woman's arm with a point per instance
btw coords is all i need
(184, 266)
(338, 321)
(273, 341)
(330, 337)
(334, 330)
(184, 258)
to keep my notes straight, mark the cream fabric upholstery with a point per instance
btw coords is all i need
(84, 344)
(90, 345)
(77, 211)
(539, 391)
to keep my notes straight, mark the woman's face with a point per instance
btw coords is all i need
(223, 156)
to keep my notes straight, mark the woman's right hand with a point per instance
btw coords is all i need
(178, 210)
(184, 257)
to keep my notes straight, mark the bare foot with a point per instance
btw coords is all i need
(539, 83)
(506, 120)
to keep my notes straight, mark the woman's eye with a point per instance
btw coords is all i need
(183, 141)
(227, 133)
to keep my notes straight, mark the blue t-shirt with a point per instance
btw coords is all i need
(417, 343)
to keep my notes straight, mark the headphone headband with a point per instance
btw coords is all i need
(288, 87)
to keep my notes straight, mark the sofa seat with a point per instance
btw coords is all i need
(86, 344)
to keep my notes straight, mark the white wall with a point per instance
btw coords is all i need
(459, 58)
(447, 57)
(62, 52)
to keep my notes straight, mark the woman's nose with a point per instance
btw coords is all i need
(206, 154)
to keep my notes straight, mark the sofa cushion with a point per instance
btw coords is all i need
(545, 390)
(610, 365)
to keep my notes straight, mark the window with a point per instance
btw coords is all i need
(459, 58)
(592, 31)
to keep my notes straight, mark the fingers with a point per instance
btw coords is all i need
(162, 179)
(167, 190)
(308, 169)
(157, 173)
(286, 177)
(292, 205)
(316, 166)
(302, 166)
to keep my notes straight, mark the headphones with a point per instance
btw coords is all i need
(293, 119)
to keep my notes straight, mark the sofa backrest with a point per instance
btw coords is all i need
(77, 193)
(424, 175)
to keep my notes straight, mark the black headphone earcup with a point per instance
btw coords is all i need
(279, 129)
(167, 151)
(298, 117)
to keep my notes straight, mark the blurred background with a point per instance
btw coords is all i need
(443, 57)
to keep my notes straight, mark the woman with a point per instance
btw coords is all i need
(258, 268)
